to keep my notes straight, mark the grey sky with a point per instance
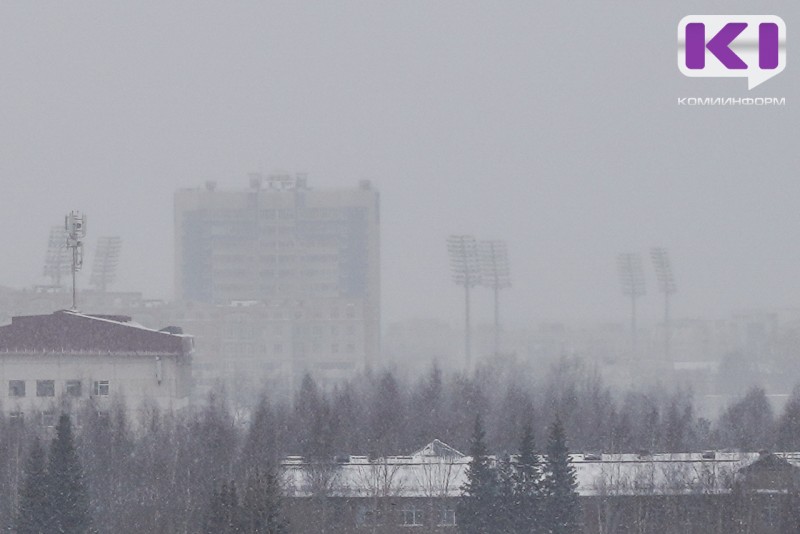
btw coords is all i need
(552, 125)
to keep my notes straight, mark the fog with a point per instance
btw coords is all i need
(552, 126)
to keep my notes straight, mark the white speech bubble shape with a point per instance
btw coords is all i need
(745, 46)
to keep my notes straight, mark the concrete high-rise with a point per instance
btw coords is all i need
(306, 259)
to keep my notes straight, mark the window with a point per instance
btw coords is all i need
(412, 516)
(368, 516)
(770, 513)
(16, 388)
(45, 388)
(47, 418)
(73, 388)
(101, 388)
(16, 417)
(447, 516)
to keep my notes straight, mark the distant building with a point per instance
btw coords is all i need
(50, 363)
(294, 270)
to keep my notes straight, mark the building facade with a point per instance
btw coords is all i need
(295, 270)
(57, 362)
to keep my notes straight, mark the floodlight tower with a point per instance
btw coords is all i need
(666, 284)
(631, 276)
(463, 250)
(56, 262)
(496, 275)
(106, 259)
(75, 226)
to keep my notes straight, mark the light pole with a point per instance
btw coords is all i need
(666, 284)
(631, 276)
(57, 263)
(496, 275)
(106, 260)
(463, 251)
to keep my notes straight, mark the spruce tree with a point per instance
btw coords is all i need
(506, 509)
(477, 507)
(224, 513)
(68, 497)
(561, 506)
(33, 515)
(261, 503)
(527, 485)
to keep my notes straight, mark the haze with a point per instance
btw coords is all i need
(553, 126)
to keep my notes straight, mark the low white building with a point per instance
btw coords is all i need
(52, 363)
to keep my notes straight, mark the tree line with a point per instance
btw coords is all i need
(214, 467)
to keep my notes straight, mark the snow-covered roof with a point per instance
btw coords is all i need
(71, 331)
(438, 470)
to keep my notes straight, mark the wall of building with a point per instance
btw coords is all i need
(132, 377)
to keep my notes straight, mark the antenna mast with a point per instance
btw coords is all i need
(75, 225)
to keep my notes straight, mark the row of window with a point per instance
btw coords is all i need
(410, 516)
(47, 388)
(44, 418)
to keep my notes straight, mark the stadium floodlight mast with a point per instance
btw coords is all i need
(666, 284)
(631, 276)
(56, 262)
(465, 266)
(496, 275)
(75, 226)
(106, 260)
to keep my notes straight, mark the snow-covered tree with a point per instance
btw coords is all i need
(561, 507)
(68, 499)
(477, 507)
(34, 515)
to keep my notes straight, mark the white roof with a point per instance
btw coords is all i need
(424, 474)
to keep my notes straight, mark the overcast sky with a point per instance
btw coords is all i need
(552, 125)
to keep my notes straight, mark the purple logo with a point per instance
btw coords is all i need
(727, 46)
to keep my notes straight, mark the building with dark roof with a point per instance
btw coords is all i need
(50, 363)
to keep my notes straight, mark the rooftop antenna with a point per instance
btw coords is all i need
(75, 226)
(56, 262)
(106, 260)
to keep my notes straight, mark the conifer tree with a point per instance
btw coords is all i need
(477, 507)
(260, 445)
(68, 497)
(506, 508)
(224, 513)
(527, 485)
(33, 515)
(561, 507)
(261, 503)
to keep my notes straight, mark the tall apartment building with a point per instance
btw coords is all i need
(297, 267)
